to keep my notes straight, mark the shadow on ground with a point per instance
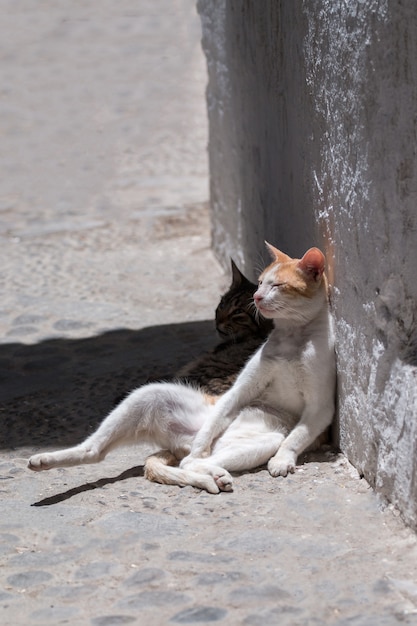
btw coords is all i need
(133, 472)
(56, 392)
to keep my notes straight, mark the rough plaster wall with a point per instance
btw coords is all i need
(361, 66)
(313, 134)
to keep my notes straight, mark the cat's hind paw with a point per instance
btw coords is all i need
(40, 462)
(223, 479)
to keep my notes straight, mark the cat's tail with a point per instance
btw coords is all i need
(162, 467)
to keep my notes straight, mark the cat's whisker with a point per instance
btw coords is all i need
(259, 318)
(259, 263)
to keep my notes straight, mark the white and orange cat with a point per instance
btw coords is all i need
(282, 400)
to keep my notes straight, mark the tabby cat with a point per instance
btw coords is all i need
(281, 401)
(242, 331)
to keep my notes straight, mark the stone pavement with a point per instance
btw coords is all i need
(108, 280)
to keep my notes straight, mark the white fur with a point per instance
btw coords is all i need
(281, 402)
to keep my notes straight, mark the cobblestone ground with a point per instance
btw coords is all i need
(108, 280)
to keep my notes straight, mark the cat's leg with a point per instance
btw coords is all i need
(114, 430)
(305, 433)
(162, 467)
(254, 377)
(166, 414)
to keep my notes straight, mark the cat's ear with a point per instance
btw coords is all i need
(313, 263)
(236, 274)
(276, 254)
(238, 279)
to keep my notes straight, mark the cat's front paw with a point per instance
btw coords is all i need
(282, 464)
(40, 462)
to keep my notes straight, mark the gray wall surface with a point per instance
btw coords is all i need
(313, 131)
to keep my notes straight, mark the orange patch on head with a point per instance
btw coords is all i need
(295, 276)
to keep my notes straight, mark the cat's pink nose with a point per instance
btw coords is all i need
(257, 297)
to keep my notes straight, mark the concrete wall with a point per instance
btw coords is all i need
(313, 122)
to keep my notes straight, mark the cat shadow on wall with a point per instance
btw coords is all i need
(55, 393)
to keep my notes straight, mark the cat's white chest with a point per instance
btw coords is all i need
(291, 363)
(285, 389)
